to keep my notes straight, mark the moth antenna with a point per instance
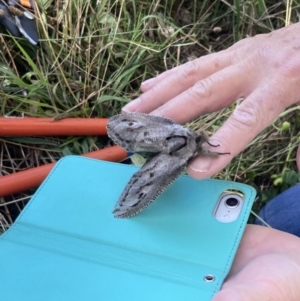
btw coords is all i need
(213, 145)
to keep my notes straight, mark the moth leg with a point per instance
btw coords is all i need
(207, 153)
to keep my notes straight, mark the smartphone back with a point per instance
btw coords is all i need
(66, 244)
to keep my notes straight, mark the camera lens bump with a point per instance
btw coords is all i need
(232, 202)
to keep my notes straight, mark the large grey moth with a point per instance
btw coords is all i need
(167, 147)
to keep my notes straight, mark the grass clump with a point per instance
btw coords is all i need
(92, 57)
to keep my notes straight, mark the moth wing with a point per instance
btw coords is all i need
(147, 184)
(143, 118)
(138, 132)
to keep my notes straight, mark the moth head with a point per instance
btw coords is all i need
(201, 138)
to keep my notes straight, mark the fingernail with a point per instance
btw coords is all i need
(202, 166)
(132, 106)
(147, 82)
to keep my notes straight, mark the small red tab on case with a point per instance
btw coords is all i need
(26, 3)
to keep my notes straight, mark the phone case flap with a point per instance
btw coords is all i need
(66, 244)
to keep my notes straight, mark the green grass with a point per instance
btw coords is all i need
(92, 58)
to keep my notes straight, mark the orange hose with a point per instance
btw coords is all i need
(33, 177)
(29, 126)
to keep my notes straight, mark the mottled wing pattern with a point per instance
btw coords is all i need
(134, 132)
(147, 184)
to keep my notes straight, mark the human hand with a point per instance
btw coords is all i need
(265, 70)
(266, 267)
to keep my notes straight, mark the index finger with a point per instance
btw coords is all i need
(177, 80)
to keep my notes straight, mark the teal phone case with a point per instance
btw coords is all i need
(66, 244)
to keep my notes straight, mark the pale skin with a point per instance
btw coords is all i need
(266, 268)
(265, 71)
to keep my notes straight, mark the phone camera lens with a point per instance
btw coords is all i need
(232, 202)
